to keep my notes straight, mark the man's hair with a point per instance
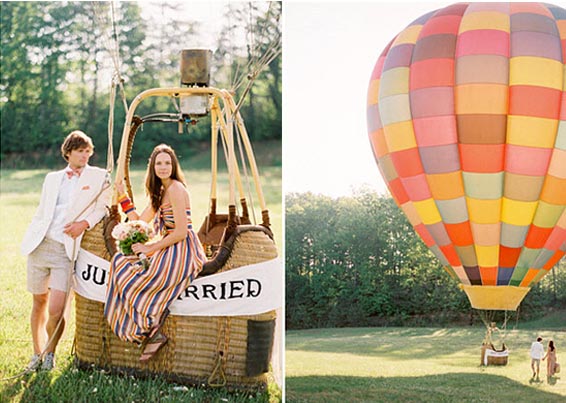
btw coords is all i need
(75, 141)
(539, 338)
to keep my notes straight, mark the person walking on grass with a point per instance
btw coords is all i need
(537, 352)
(73, 200)
(551, 363)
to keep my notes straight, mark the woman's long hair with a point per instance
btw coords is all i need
(153, 186)
(551, 345)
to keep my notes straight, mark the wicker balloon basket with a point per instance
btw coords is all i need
(230, 351)
(491, 356)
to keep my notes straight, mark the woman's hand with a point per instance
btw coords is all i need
(146, 249)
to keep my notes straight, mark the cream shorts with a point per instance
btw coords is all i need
(48, 267)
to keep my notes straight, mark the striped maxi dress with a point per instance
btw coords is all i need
(137, 297)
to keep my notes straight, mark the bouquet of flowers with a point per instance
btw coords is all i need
(131, 232)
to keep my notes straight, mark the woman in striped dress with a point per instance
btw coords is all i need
(137, 299)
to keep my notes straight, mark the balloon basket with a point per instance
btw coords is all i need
(491, 356)
(215, 351)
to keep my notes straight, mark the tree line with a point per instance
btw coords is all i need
(356, 261)
(56, 69)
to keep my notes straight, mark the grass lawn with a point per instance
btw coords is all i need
(19, 197)
(418, 365)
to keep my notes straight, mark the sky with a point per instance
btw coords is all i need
(208, 13)
(329, 50)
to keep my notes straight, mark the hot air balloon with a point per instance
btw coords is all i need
(466, 115)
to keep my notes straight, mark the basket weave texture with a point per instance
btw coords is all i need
(492, 360)
(200, 349)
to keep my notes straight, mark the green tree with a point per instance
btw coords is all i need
(356, 261)
(33, 72)
(57, 64)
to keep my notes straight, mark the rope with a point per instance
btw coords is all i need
(222, 354)
(517, 318)
(115, 55)
(257, 63)
(110, 150)
(105, 186)
(112, 45)
(488, 316)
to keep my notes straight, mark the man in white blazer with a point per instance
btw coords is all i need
(72, 200)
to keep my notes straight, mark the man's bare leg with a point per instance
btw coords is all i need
(56, 313)
(38, 319)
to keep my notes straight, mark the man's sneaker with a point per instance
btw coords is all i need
(34, 363)
(48, 362)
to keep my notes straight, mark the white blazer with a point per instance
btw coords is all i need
(91, 181)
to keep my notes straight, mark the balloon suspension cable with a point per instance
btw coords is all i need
(231, 55)
(267, 58)
(256, 61)
(112, 45)
(117, 79)
(254, 57)
(488, 318)
(517, 318)
(116, 56)
(110, 151)
(175, 104)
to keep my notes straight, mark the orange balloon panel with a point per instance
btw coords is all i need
(467, 118)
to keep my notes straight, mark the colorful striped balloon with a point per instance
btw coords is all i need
(467, 121)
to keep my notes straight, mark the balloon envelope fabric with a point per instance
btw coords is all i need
(466, 115)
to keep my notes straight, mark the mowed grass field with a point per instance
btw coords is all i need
(19, 197)
(419, 365)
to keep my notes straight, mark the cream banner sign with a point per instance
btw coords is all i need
(247, 290)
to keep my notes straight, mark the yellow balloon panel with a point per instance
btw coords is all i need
(427, 211)
(484, 211)
(481, 98)
(485, 20)
(520, 131)
(409, 35)
(373, 92)
(488, 256)
(536, 71)
(400, 136)
(517, 212)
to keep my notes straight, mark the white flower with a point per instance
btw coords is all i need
(120, 231)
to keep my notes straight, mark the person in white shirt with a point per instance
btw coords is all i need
(537, 352)
(73, 200)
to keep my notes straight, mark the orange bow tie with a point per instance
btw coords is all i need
(72, 172)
